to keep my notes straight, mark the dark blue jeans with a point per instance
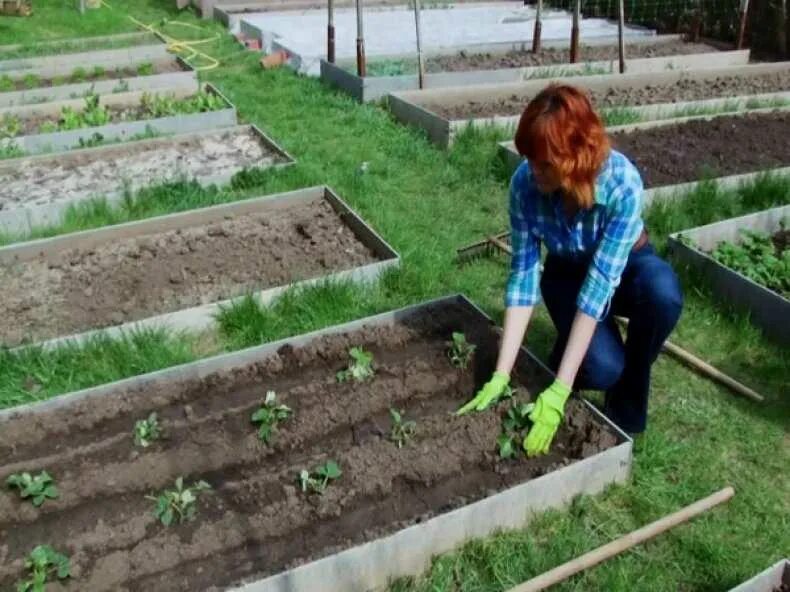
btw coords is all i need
(649, 296)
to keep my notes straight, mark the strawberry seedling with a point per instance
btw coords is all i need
(38, 489)
(147, 430)
(461, 351)
(179, 504)
(318, 480)
(402, 430)
(44, 563)
(513, 426)
(360, 368)
(145, 69)
(269, 415)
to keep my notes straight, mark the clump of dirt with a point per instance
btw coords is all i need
(695, 149)
(683, 90)
(781, 240)
(466, 61)
(131, 279)
(256, 521)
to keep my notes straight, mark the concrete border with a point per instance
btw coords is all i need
(768, 580)
(202, 318)
(124, 130)
(767, 309)
(373, 88)
(370, 566)
(23, 220)
(154, 82)
(52, 65)
(410, 107)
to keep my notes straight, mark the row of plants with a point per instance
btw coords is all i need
(77, 75)
(94, 114)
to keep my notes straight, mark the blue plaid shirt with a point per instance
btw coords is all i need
(604, 234)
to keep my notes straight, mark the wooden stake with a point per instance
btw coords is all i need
(361, 62)
(744, 18)
(330, 33)
(420, 64)
(621, 33)
(538, 27)
(577, 13)
(566, 570)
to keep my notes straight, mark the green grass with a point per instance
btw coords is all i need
(427, 203)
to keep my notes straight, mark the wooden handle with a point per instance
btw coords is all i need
(596, 556)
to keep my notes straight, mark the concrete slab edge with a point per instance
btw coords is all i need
(768, 580)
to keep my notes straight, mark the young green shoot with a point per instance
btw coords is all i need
(317, 481)
(37, 489)
(146, 431)
(402, 430)
(269, 416)
(44, 564)
(513, 426)
(179, 504)
(461, 351)
(360, 368)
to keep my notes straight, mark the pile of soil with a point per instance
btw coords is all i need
(160, 67)
(131, 279)
(683, 90)
(465, 61)
(695, 149)
(256, 521)
(74, 176)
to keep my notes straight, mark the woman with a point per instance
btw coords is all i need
(582, 200)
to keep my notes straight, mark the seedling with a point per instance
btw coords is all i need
(48, 127)
(95, 114)
(360, 368)
(179, 504)
(318, 480)
(44, 564)
(145, 69)
(461, 351)
(402, 430)
(38, 489)
(78, 74)
(147, 431)
(98, 72)
(513, 426)
(269, 416)
(6, 83)
(10, 126)
(31, 81)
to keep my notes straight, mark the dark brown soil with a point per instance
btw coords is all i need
(257, 521)
(127, 280)
(722, 146)
(781, 240)
(464, 61)
(161, 67)
(684, 90)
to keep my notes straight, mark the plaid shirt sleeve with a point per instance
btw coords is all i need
(623, 227)
(523, 286)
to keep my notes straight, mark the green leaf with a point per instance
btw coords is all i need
(332, 470)
(167, 517)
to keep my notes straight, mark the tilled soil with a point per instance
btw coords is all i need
(465, 61)
(74, 176)
(131, 279)
(684, 90)
(722, 146)
(256, 521)
(161, 67)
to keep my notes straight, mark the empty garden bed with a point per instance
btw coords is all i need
(414, 491)
(143, 270)
(37, 190)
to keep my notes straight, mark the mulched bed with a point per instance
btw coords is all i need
(695, 149)
(465, 61)
(684, 90)
(257, 521)
(132, 279)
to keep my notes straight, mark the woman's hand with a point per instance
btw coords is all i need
(546, 418)
(487, 395)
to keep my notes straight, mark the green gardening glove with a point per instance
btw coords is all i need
(487, 395)
(546, 418)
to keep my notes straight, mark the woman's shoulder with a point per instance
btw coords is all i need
(620, 170)
(522, 178)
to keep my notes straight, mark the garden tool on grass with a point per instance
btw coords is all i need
(496, 243)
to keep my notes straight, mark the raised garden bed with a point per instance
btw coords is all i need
(174, 270)
(462, 68)
(36, 191)
(63, 125)
(442, 113)
(774, 579)
(387, 513)
(673, 156)
(730, 269)
(21, 89)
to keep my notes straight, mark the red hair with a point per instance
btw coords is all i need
(560, 127)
